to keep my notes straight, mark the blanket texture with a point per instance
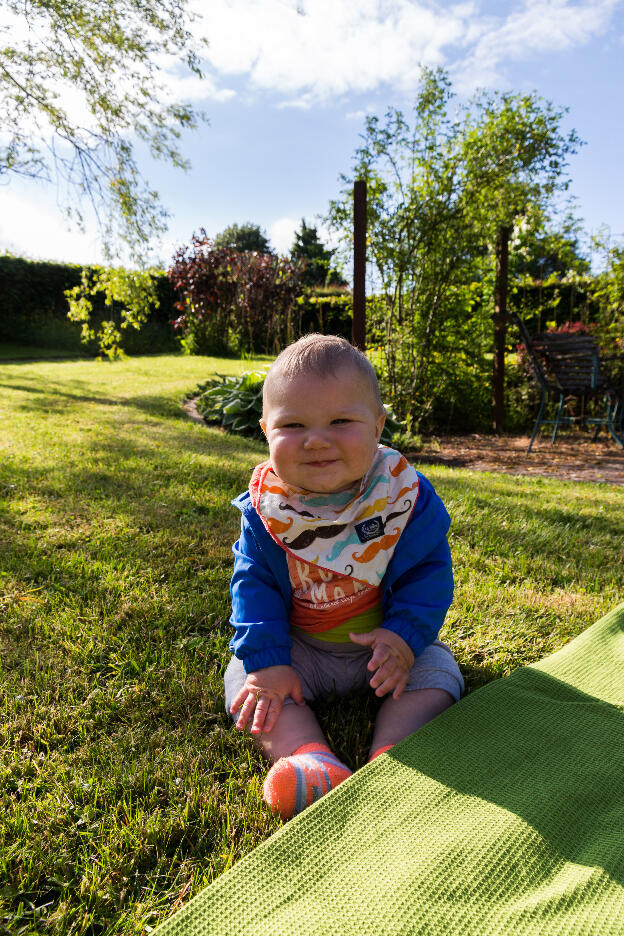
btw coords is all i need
(503, 817)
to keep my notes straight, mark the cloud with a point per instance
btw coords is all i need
(323, 48)
(536, 28)
(188, 88)
(282, 234)
(308, 51)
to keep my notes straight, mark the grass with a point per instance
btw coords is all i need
(123, 788)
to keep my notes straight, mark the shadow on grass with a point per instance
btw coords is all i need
(54, 397)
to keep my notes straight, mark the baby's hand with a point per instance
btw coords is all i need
(263, 696)
(390, 663)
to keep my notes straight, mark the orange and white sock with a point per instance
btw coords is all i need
(381, 750)
(294, 782)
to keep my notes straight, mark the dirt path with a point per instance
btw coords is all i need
(572, 458)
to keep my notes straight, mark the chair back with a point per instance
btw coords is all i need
(535, 360)
(571, 360)
(568, 363)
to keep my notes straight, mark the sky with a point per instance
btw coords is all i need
(288, 85)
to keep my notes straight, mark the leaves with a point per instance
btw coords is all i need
(231, 300)
(233, 402)
(77, 79)
(131, 293)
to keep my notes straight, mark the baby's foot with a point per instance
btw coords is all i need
(295, 782)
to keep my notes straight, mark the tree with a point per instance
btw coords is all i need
(541, 250)
(308, 247)
(78, 80)
(423, 252)
(243, 238)
(608, 292)
(515, 157)
(130, 293)
(443, 192)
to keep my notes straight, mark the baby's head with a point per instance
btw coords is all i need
(322, 414)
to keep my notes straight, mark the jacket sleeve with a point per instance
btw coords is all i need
(260, 616)
(417, 598)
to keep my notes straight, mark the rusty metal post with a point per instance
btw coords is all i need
(358, 336)
(500, 327)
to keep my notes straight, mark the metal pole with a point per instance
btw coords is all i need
(500, 327)
(359, 265)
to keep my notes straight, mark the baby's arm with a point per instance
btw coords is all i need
(259, 613)
(261, 699)
(261, 639)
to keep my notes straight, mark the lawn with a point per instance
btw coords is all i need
(123, 788)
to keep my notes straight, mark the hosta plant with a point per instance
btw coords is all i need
(233, 402)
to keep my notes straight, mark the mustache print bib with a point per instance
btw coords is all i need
(352, 532)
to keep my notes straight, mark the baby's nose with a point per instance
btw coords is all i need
(315, 438)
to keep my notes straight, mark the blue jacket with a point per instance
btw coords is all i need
(417, 588)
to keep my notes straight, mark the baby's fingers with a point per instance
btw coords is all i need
(273, 713)
(389, 678)
(263, 704)
(399, 689)
(380, 656)
(385, 671)
(239, 698)
(246, 711)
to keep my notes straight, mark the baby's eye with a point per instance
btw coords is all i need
(292, 425)
(342, 420)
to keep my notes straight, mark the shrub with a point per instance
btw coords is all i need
(328, 310)
(233, 301)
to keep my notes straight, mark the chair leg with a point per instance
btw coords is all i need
(538, 421)
(613, 419)
(557, 419)
(599, 423)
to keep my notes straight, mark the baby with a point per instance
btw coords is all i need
(342, 574)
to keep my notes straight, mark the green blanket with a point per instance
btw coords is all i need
(504, 816)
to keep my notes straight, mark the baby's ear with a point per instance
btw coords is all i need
(263, 427)
(379, 425)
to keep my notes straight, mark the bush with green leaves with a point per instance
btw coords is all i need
(235, 403)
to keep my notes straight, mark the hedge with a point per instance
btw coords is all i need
(33, 309)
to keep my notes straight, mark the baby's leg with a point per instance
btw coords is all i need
(304, 768)
(398, 718)
(297, 725)
(434, 683)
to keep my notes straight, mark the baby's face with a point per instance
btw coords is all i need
(322, 431)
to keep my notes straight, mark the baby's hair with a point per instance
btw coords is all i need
(325, 356)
